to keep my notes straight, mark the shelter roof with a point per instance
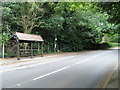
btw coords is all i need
(28, 37)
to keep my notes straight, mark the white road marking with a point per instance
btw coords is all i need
(23, 67)
(51, 73)
(81, 62)
(50, 62)
(87, 59)
(116, 66)
(66, 66)
(92, 57)
(18, 84)
(37, 58)
(110, 51)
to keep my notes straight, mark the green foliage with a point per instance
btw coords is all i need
(113, 9)
(76, 25)
(5, 37)
(114, 44)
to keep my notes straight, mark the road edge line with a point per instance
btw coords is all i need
(107, 80)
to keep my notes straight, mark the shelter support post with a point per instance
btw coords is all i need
(42, 49)
(18, 51)
(31, 51)
(38, 47)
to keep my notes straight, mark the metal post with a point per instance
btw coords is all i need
(31, 51)
(55, 44)
(18, 51)
(3, 50)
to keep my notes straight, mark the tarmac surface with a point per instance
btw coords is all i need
(74, 70)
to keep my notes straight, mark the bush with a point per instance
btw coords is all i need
(104, 46)
(114, 44)
(99, 46)
(10, 54)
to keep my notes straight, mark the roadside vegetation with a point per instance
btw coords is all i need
(64, 26)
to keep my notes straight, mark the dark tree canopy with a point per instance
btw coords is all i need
(72, 26)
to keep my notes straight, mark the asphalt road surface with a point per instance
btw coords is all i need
(81, 70)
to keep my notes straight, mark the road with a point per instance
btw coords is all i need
(81, 70)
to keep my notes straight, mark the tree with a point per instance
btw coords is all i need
(74, 26)
(29, 18)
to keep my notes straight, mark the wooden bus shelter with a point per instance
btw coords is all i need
(27, 38)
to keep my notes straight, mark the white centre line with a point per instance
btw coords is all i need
(67, 66)
(18, 84)
(92, 57)
(116, 66)
(50, 62)
(51, 73)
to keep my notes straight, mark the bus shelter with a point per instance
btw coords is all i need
(28, 39)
